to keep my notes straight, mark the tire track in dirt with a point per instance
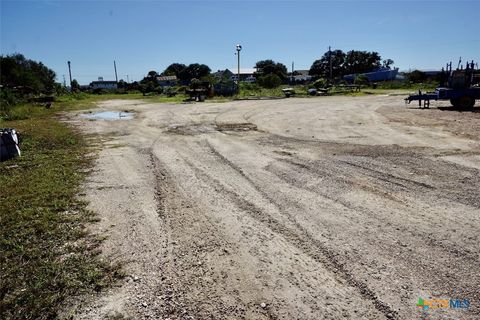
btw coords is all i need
(468, 198)
(191, 287)
(296, 235)
(315, 169)
(174, 301)
(427, 239)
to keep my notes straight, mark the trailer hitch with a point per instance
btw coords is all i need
(425, 97)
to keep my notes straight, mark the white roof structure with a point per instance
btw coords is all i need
(243, 70)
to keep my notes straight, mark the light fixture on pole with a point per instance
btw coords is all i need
(239, 48)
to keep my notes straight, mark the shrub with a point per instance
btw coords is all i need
(320, 83)
(417, 76)
(361, 80)
(270, 81)
(7, 99)
(159, 89)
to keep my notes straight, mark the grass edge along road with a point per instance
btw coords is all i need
(46, 252)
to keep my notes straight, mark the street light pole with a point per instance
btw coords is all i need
(239, 48)
(330, 63)
(70, 74)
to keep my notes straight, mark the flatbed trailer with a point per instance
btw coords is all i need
(460, 98)
(461, 88)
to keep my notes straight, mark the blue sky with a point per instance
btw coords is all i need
(149, 35)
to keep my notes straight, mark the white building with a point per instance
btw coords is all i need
(246, 74)
(108, 85)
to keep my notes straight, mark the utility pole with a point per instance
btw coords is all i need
(115, 67)
(293, 66)
(70, 73)
(330, 63)
(239, 48)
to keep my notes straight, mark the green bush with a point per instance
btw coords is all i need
(7, 99)
(361, 80)
(320, 83)
(249, 86)
(270, 81)
(417, 76)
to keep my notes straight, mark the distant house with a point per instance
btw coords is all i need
(246, 74)
(224, 85)
(301, 76)
(167, 81)
(107, 85)
(223, 74)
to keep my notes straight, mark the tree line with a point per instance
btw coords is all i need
(337, 63)
(21, 76)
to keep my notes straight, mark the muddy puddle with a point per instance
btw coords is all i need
(108, 115)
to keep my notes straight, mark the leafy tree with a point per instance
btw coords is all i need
(184, 73)
(270, 81)
(321, 67)
(267, 67)
(387, 63)
(361, 79)
(417, 76)
(194, 71)
(195, 83)
(152, 74)
(75, 85)
(59, 89)
(347, 63)
(361, 62)
(17, 71)
(174, 70)
(122, 84)
(320, 83)
(150, 79)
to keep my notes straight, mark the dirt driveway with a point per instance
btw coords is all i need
(322, 208)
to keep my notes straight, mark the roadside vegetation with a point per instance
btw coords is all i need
(46, 253)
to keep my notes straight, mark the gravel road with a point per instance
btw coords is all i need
(319, 208)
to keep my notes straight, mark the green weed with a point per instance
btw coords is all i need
(46, 255)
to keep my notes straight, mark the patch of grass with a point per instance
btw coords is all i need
(248, 90)
(69, 102)
(46, 255)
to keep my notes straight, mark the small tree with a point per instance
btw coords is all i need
(266, 67)
(122, 84)
(321, 67)
(417, 76)
(75, 85)
(175, 69)
(270, 81)
(362, 80)
(321, 83)
(387, 63)
(18, 71)
(152, 74)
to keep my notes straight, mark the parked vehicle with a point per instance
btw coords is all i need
(461, 88)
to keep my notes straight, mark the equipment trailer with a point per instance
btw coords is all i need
(461, 88)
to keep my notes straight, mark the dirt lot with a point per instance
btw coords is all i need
(322, 208)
